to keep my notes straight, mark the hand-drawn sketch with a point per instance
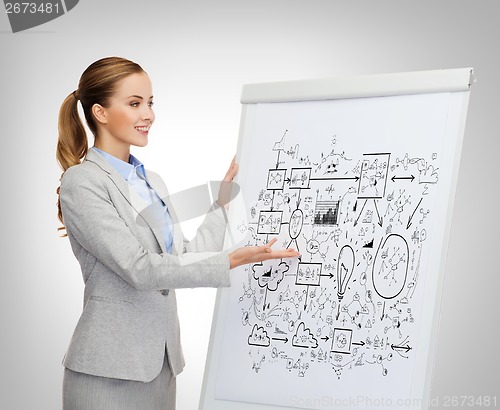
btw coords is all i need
(345, 315)
(324, 296)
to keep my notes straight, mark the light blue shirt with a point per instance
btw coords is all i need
(133, 172)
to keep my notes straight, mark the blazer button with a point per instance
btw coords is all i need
(164, 292)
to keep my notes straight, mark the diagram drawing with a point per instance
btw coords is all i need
(345, 314)
(348, 298)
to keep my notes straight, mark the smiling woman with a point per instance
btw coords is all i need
(125, 351)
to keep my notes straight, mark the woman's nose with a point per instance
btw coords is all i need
(148, 115)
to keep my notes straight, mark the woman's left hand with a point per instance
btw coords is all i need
(226, 185)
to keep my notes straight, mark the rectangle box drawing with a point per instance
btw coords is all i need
(276, 179)
(269, 222)
(299, 178)
(326, 213)
(373, 178)
(308, 274)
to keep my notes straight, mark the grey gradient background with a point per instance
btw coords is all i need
(198, 54)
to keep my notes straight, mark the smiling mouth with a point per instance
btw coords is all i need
(143, 129)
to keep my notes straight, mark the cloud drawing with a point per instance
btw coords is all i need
(268, 274)
(303, 337)
(259, 337)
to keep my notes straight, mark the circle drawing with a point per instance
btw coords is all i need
(296, 222)
(390, 267)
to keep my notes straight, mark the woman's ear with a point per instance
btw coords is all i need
(99, 113)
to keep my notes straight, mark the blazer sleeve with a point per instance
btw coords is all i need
(91, 217)
(210, 234)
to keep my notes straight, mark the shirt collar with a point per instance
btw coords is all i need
(125, 169)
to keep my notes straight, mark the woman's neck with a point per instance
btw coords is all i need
(120, 151)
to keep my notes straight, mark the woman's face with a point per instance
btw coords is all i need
(129, 115)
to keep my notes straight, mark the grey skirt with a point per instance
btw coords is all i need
(86, 392)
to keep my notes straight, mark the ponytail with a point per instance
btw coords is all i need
(72, 145)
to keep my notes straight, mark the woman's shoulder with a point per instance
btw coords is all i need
(82, 174)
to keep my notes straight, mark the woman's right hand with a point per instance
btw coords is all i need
(252, 254)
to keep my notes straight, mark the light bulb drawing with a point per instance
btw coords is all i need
(345, 266)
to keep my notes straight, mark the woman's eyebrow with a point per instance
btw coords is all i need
(138, 96)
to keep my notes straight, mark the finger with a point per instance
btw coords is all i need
(232, 171)
(289, 251)
(271, 242)
(283, 254)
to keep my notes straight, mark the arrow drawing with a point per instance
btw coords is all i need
(378, 214)
(413, 213)
(406, 348)
(395, 177)
(399, 349)
(380, 220)
(272, 202)
(383, 312)
(360, 212)
(356, 179)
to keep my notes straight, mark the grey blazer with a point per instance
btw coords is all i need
(129, 306)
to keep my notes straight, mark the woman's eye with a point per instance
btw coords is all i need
(134, 104)
(151, 103)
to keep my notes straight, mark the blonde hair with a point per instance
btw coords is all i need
(96, 86)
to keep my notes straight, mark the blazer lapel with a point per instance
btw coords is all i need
(159, 186)
(145, 217)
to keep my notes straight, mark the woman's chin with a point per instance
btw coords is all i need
(142, 143)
